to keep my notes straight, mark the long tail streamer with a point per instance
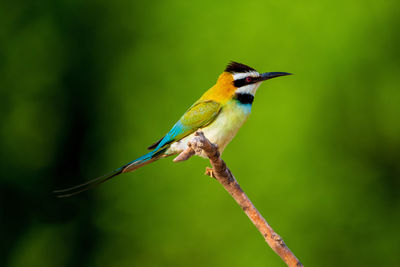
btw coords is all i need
(136, 164)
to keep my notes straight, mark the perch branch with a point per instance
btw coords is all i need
(221, 172)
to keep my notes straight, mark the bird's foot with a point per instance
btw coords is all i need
(210, 172)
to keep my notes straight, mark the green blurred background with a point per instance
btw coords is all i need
(87, 85)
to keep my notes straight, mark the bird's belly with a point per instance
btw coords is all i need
(222, 130)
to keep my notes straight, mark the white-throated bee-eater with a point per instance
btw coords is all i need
(219, 113)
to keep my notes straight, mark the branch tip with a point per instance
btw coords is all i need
(200, 145)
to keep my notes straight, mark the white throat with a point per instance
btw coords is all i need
(248, 89)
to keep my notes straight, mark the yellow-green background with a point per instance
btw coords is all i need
(87, 85)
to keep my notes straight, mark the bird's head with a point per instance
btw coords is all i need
(246, 80)
(238, 81)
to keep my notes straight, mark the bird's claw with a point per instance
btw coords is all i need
(210, 172)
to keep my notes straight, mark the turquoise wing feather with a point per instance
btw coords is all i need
(197, 116)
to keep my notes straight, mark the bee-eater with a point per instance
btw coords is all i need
(219, 113)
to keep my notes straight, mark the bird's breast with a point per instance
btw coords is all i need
(222, 130)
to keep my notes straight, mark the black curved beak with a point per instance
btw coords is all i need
(270, 75)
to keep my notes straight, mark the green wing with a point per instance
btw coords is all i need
(197, 116)
(200, 115)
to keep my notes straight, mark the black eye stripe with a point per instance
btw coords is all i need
(243, 82)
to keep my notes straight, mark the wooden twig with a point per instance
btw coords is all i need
(221, 173)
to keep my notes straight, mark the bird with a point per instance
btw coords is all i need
(219, 113)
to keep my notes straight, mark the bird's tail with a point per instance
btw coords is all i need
(131, 166)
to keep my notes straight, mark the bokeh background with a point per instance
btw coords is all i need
(86, 86)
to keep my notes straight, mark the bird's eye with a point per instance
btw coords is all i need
(248, 79)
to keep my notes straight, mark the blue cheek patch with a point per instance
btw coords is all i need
(246, 108)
